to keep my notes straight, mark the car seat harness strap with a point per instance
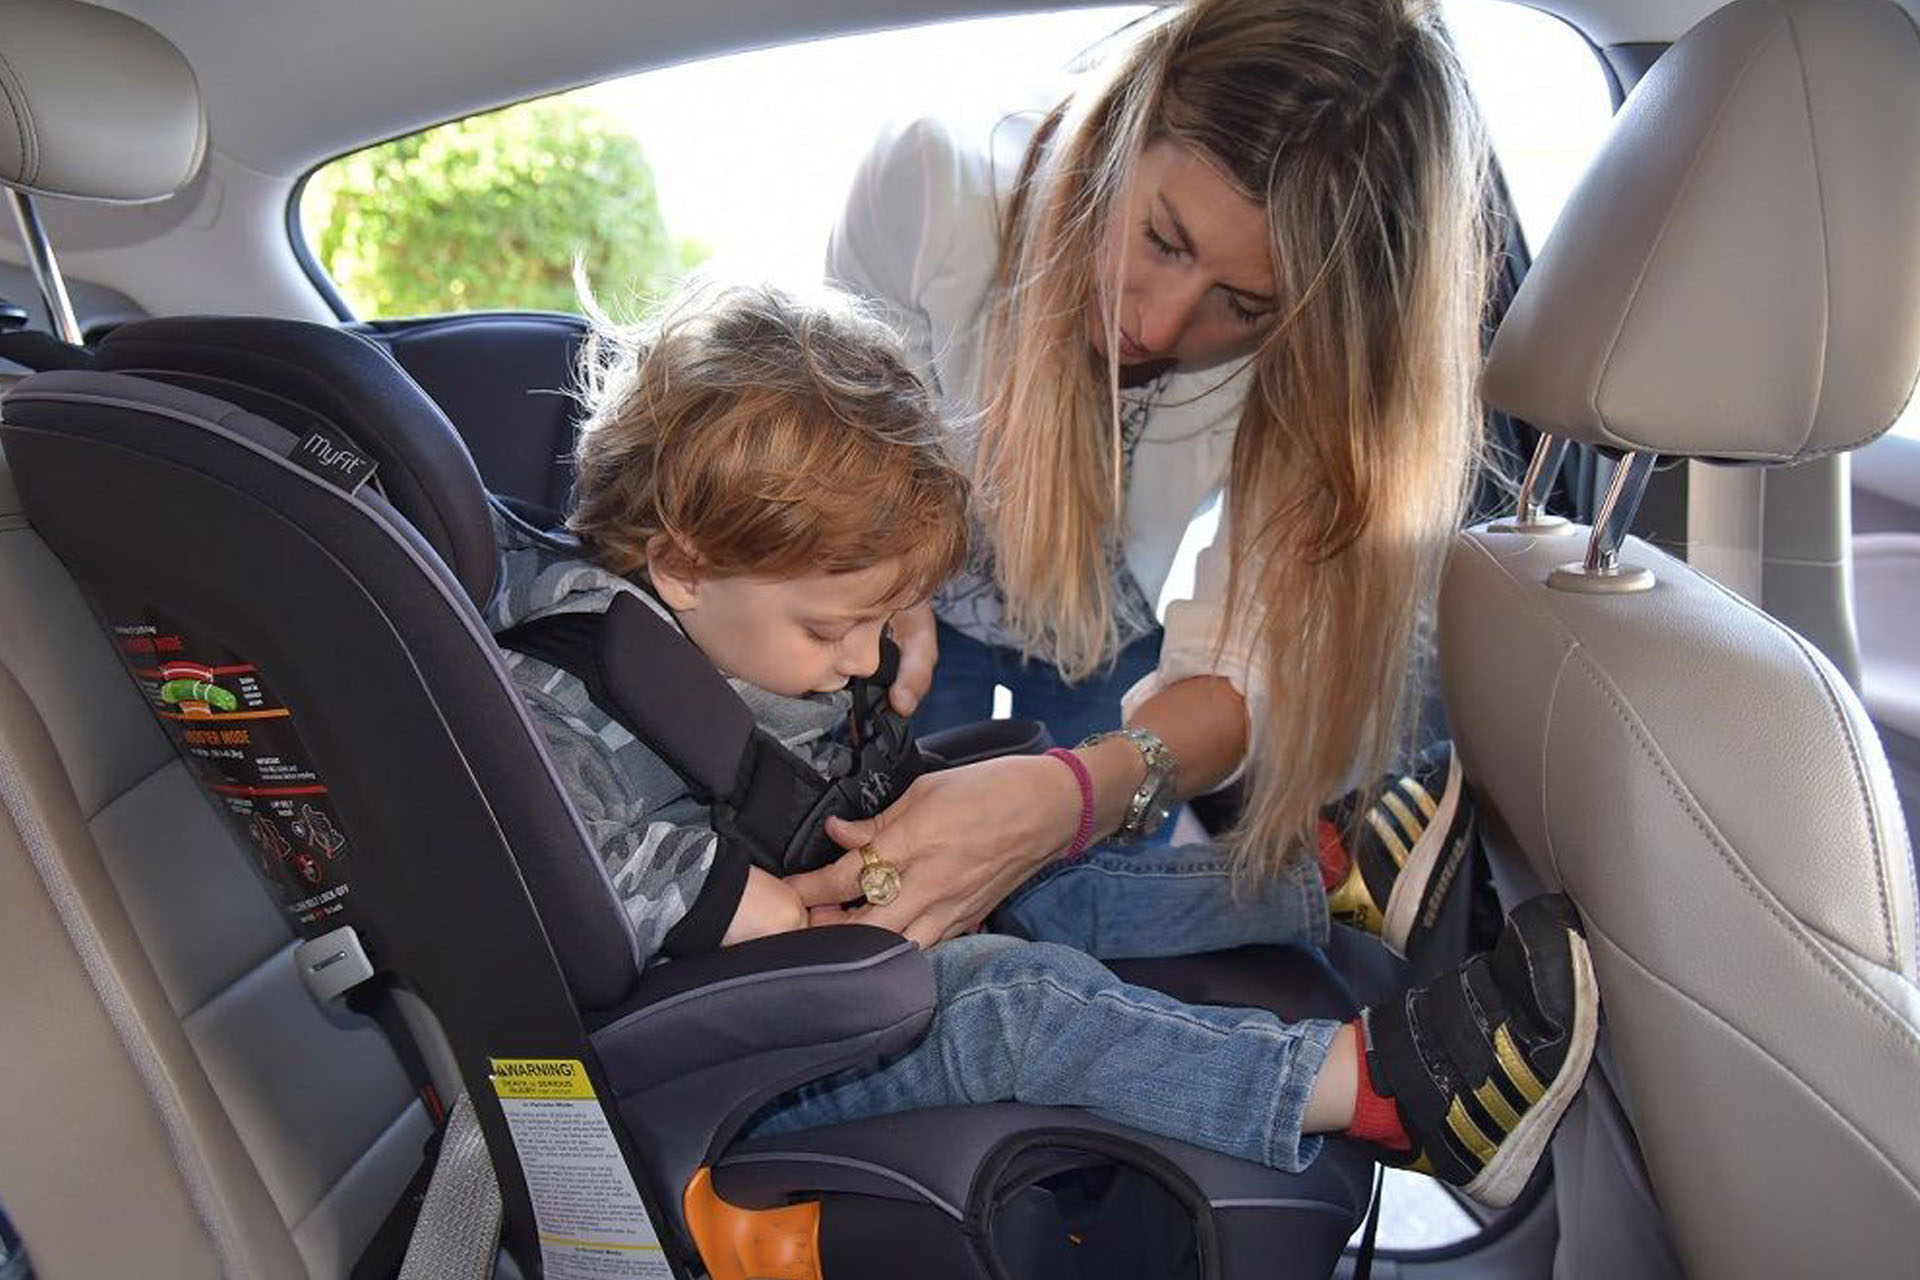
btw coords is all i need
(645, 674)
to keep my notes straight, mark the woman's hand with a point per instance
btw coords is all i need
(767, 905)
(963, 839)
(913, 631)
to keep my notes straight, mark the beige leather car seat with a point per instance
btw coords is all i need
(1738, 278)
(172, 1101)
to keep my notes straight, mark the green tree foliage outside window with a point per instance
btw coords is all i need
(492, 211)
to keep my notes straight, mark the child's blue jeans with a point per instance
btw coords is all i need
(1044, 1022)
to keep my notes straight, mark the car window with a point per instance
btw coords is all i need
(1545, 97)
(722, 162)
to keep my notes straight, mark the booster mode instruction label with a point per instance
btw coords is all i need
(592, 1223)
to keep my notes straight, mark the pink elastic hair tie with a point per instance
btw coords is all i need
(1084, 836)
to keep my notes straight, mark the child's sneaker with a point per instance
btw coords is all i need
(1482, 1063)
(1406, 850)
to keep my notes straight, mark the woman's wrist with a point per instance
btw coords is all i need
(1083, 833)
(1117, 770)
(1050, 799)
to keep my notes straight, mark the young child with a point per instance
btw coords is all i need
(767, 474)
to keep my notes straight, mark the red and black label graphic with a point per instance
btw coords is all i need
(241, 740)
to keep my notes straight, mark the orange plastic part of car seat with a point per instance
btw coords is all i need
(752, 1244)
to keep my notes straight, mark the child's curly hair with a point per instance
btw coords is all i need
(767, 437)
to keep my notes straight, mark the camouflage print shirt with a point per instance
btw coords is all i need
(677, 884)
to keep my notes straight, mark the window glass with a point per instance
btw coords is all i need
(742, 162)
(1545, 98)
(726, 161)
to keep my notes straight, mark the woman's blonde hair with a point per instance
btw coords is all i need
(767, 436)
(1350, 123)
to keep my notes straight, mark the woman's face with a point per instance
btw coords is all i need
(1197, 286)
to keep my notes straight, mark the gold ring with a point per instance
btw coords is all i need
(879, 879)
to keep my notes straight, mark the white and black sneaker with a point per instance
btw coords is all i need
(1481, 1063)
(1405, 851)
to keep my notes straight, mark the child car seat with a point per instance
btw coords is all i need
(319, 523)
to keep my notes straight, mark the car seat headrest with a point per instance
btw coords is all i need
(1738, 275)
(310, 377)
(94, 104)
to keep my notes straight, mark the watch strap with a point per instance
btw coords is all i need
(1160, 768)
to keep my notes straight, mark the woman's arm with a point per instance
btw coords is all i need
(963, 839)
(913, 630)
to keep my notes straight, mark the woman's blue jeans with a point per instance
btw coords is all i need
(1044, 1022)
(964, 678)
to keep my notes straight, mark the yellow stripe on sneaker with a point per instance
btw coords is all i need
(1409, 824)
(1421, 1165)
(1489, 1096)
(1469, 1133)
(1352, 903)
(1516, 1066)
(1421, 796)
(1388, 837)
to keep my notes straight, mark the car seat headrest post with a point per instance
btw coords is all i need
(1601, 573)
(1542, 470)
(46, 272)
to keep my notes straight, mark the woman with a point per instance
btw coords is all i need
(1248, 255)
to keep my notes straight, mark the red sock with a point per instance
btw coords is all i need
(1334, 861)
(1375, 1118)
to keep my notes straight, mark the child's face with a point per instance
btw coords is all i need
(791, 636)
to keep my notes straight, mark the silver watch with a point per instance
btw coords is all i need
(1154, 800)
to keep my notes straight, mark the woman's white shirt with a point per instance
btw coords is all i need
(920, 237)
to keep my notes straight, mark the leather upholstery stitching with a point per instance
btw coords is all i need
(1553, 704)
(16, 91)
(1760, 1051)
(21, 807)
(1826, 238)
(1881, 853)
(1866, 798)
(1792, 927)
(1653, 249)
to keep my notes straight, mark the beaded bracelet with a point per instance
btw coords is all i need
(1084, 836)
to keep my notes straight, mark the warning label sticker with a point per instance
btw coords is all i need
(592, 1223)
(239, 737)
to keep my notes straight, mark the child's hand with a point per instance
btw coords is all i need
(766, 906)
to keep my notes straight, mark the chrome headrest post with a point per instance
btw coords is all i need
(46, 272)
(1548, 454)
(1602, 573)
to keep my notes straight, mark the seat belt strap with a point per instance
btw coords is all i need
(457, 1235)
(645, 674)
(662, 689)
(374, 999)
